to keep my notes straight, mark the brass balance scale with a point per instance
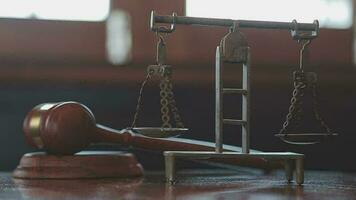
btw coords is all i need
(168, 104)
(234, 49)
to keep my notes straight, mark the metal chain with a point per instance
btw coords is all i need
(140, 97)
(317, 110)
(164, 103)
(173, 106)
(168, 103)
(295, 109)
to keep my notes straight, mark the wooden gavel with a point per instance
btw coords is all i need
(68, 127)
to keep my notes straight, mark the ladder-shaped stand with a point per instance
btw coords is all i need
(220, 91)
(234, 49)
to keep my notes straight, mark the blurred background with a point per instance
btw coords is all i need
(96, 52)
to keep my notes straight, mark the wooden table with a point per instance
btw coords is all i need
(194, 184)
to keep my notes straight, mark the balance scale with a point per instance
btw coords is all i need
(234, 49)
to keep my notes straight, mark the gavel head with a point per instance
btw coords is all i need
(60, 128)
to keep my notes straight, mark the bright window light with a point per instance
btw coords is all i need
(330, 13)
(74, 10)
(118, 37)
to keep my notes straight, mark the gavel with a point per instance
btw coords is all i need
(65, 128)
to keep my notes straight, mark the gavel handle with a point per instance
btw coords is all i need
(109, 135)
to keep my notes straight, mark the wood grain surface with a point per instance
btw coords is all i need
(194, 184)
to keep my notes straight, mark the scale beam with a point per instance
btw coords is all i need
(168, 19)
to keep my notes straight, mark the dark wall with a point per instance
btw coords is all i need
(67, 62)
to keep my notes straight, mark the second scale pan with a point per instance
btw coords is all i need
(304, 138)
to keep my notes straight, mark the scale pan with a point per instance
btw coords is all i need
(159, 132)
(305, 138)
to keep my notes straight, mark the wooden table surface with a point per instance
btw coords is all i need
(193, 184)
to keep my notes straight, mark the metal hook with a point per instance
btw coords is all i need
(305, 44)
(161, 50)
(162, 29)
(303, 37)
(160, 37)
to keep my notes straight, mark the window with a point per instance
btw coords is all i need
(77, 10)
(330, 13)
(118, 37)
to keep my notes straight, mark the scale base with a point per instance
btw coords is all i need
(291, 161)
(85, 164)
